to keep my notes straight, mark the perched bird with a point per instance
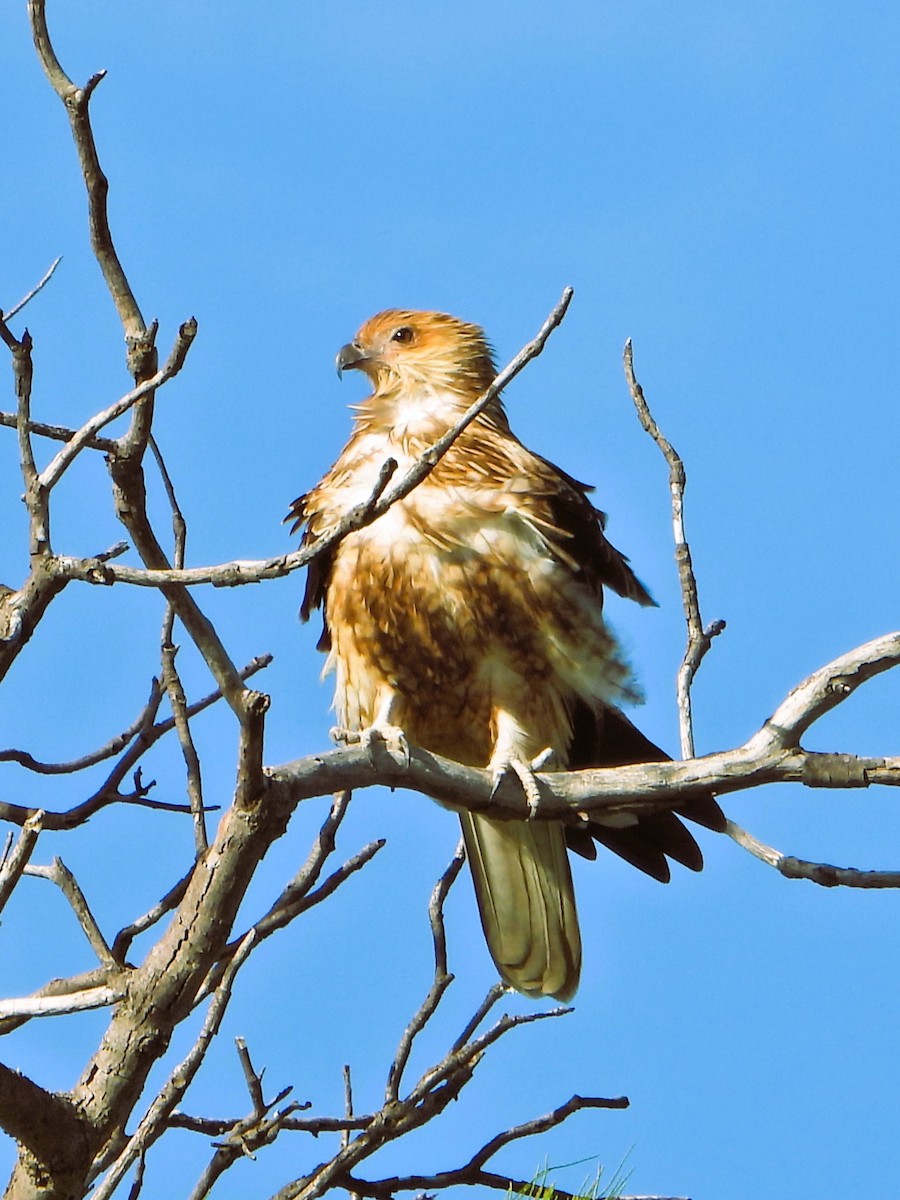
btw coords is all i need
(469, 615)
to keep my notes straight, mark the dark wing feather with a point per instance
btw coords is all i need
(609, 739)
(599, 562)
(318, 571)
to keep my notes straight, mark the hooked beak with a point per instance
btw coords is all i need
(349, 358)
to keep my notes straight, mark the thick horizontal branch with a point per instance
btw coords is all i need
(55, 1006)
(772, 755)
(638, 787)
(428, 1185)
(88, 982)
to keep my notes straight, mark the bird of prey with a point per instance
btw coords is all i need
(469, 616)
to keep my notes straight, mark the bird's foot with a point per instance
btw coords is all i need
(524, 771)
(376, 739)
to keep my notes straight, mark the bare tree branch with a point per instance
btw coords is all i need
(114, 746)
(427, 1185)
(218, 1127)
(300, 894)
(821, 873)
(60, 874)
(47, 1126)
(76, 101)
(125, 466)
(144, 722)
(35, 495)
(161, 990)
(247, 1134)
(154, 1121)
(188, 749)
(471, 1172)
(771, 755)
(430, 1095)
(171, 900)
(129, 493)
(29, 296)
(239, 572)
(84, 982)
(251, 1078)
(171, 678)
(54, 470)
(699, 638)
(442, 977)
(15, 863)
(148, 734)
(496, 992)
(348, 1103)
(44, 1005)
(59, 433)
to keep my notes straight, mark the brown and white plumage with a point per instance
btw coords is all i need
(470, 615)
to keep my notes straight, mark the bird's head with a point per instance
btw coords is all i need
(401, 350)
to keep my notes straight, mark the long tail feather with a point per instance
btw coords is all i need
(527, 903)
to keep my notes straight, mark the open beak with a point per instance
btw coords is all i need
(350, 357)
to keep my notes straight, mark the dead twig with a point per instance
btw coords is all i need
(178, 702)
(60, 874)
(77, 101)
(35, 495)
(699, 639)
(219, 1126)
(114, 746)
(143, 722)
(14, 863)
(147, 733)
(442, 977)
(472, 1173)
(301, 894)
(85, 983)
(171, 900)
(171, 678)
(821, 873)
(29, 296)
(54, 470)
(59, 433)
(348, 1103)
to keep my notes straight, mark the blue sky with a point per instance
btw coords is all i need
(718, 182)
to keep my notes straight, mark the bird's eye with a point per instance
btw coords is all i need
(404, 334)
